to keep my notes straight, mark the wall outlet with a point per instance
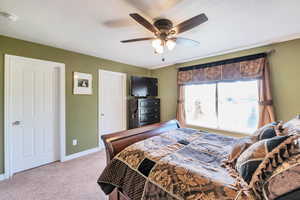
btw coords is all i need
(75, 142)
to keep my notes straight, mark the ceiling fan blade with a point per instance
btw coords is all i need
(185, 41)
(141, 20)
(191, 23)
(138, 39)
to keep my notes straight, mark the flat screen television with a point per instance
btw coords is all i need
(143, 86)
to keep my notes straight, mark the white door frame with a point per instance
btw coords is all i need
(100, 100)
(7, 107)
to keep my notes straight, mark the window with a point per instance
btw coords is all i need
(231, 106)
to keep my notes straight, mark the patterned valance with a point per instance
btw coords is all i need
(242, 68)
(226, 71)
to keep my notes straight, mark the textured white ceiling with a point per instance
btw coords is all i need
(95, 27)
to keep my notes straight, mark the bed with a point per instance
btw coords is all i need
(164, 161)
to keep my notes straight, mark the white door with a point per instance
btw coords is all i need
(34, 113)
(112, 102)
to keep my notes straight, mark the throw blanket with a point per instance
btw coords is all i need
(179, 164)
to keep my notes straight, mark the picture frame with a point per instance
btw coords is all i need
(82, 83)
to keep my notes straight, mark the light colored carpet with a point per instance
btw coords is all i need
(71, 180)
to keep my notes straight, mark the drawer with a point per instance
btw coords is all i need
(149, 117)
(149, 102)
(149, 110)
(147, 123)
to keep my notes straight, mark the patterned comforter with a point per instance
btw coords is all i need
(178, 164)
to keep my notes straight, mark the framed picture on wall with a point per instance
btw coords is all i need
(82, 83)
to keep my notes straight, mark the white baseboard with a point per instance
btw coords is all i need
(80, 154)
(66, 158)
(2, 177)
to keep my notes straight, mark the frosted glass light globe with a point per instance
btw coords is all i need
(171, 44)
(156, 43)
(159, 49)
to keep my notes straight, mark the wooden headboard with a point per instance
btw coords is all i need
(116, 142)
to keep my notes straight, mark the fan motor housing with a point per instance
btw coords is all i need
(163, 24)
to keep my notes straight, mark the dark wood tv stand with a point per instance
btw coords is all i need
(143, 111)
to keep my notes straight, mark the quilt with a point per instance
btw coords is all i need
(178, 164)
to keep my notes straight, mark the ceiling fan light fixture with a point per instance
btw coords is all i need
(165, 34)
(159, 49)
(171, 44)
(157, 43)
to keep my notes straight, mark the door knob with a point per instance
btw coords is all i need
(102, 114)
(16, 123)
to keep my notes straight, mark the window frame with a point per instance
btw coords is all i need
(217, 110)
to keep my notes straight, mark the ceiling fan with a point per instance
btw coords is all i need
(164, 31)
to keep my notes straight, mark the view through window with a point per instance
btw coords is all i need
(231, 106)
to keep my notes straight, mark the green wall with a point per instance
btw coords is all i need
(285, 80)
(81, 111)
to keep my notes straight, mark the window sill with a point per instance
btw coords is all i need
(237, 133)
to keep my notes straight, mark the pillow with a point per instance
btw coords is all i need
(256, 164)
(284, 179)
(268, 131)
(249, 161)
(238, 149)
(292, 125)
